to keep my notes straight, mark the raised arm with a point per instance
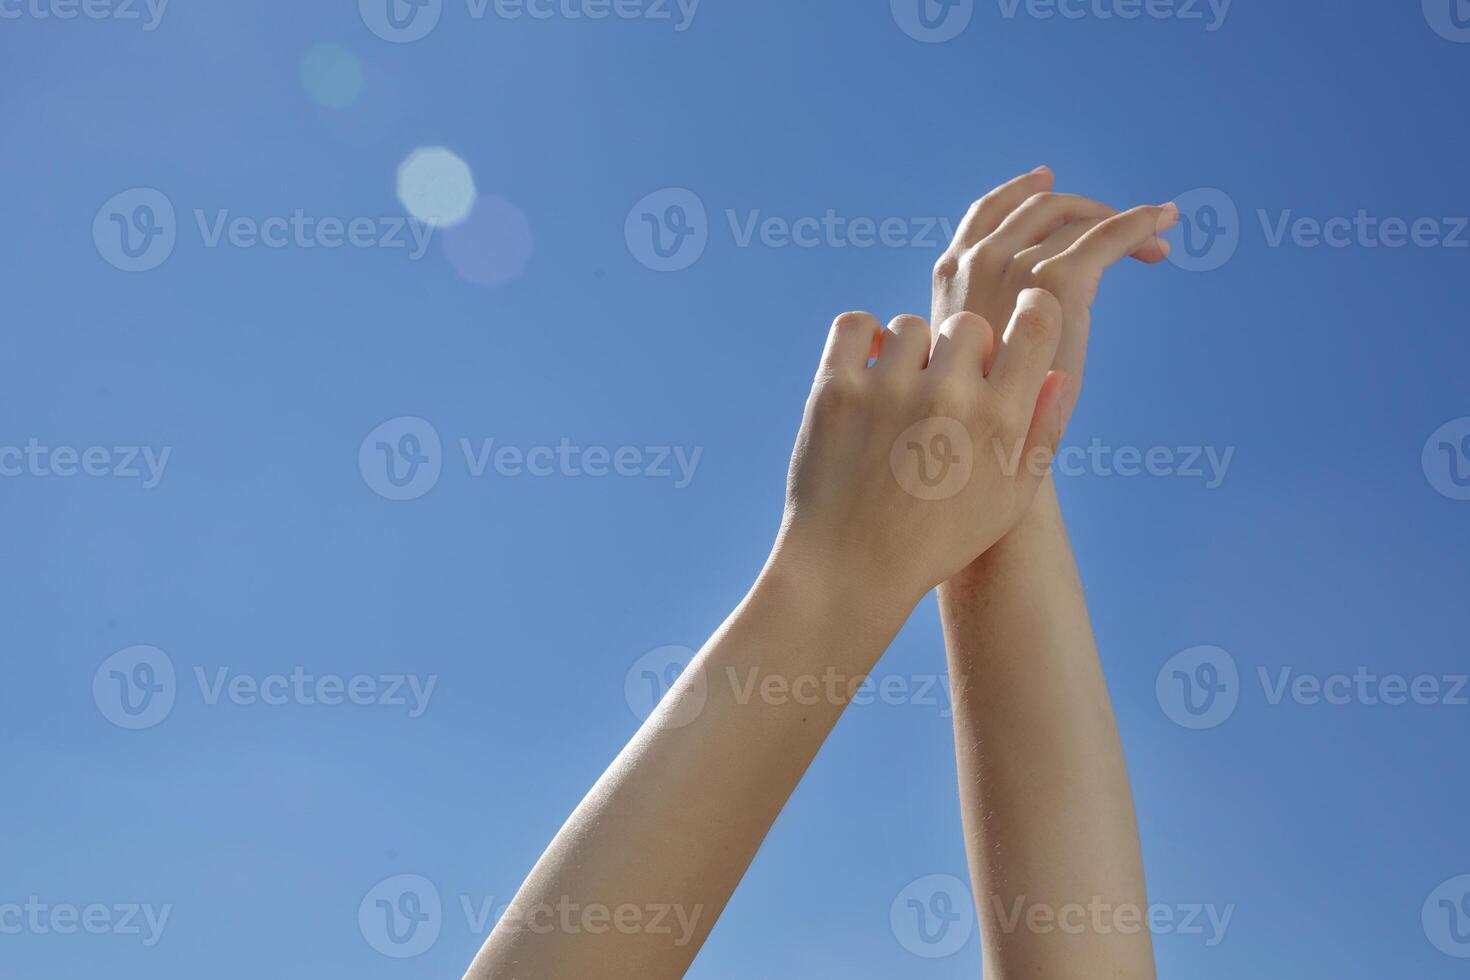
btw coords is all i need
(1048, 812)
(892, 489)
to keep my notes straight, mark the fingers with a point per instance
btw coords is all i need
(905, 345)
(966, 342)
(1116, 237)
(1152, 251)
(1030, 346)
(986, 214)
(1041, 215)
(853, 341)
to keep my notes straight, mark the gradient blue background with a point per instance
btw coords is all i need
(1325, 549)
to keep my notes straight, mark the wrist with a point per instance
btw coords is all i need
(1038, 532)
(831, 582)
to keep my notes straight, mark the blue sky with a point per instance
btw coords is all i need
(197, 501)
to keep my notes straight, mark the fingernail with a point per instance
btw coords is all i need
(1043, 169)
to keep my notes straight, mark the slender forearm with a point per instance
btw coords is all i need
(1048, 812)
(677, 818)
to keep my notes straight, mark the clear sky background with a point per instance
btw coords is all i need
(1334, 543)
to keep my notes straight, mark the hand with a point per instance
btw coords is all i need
(905, 471)
(1022, 235)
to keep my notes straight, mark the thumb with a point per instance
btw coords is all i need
(1053, 411)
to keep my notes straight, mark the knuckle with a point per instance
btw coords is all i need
(987, 260)
(1044, 303)
(1042, 199)
(966, 321)
(854, 322)
(908, 322)
(1052, 274)
(947, 268)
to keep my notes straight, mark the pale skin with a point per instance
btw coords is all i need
(1048, 812)
(672, 825)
